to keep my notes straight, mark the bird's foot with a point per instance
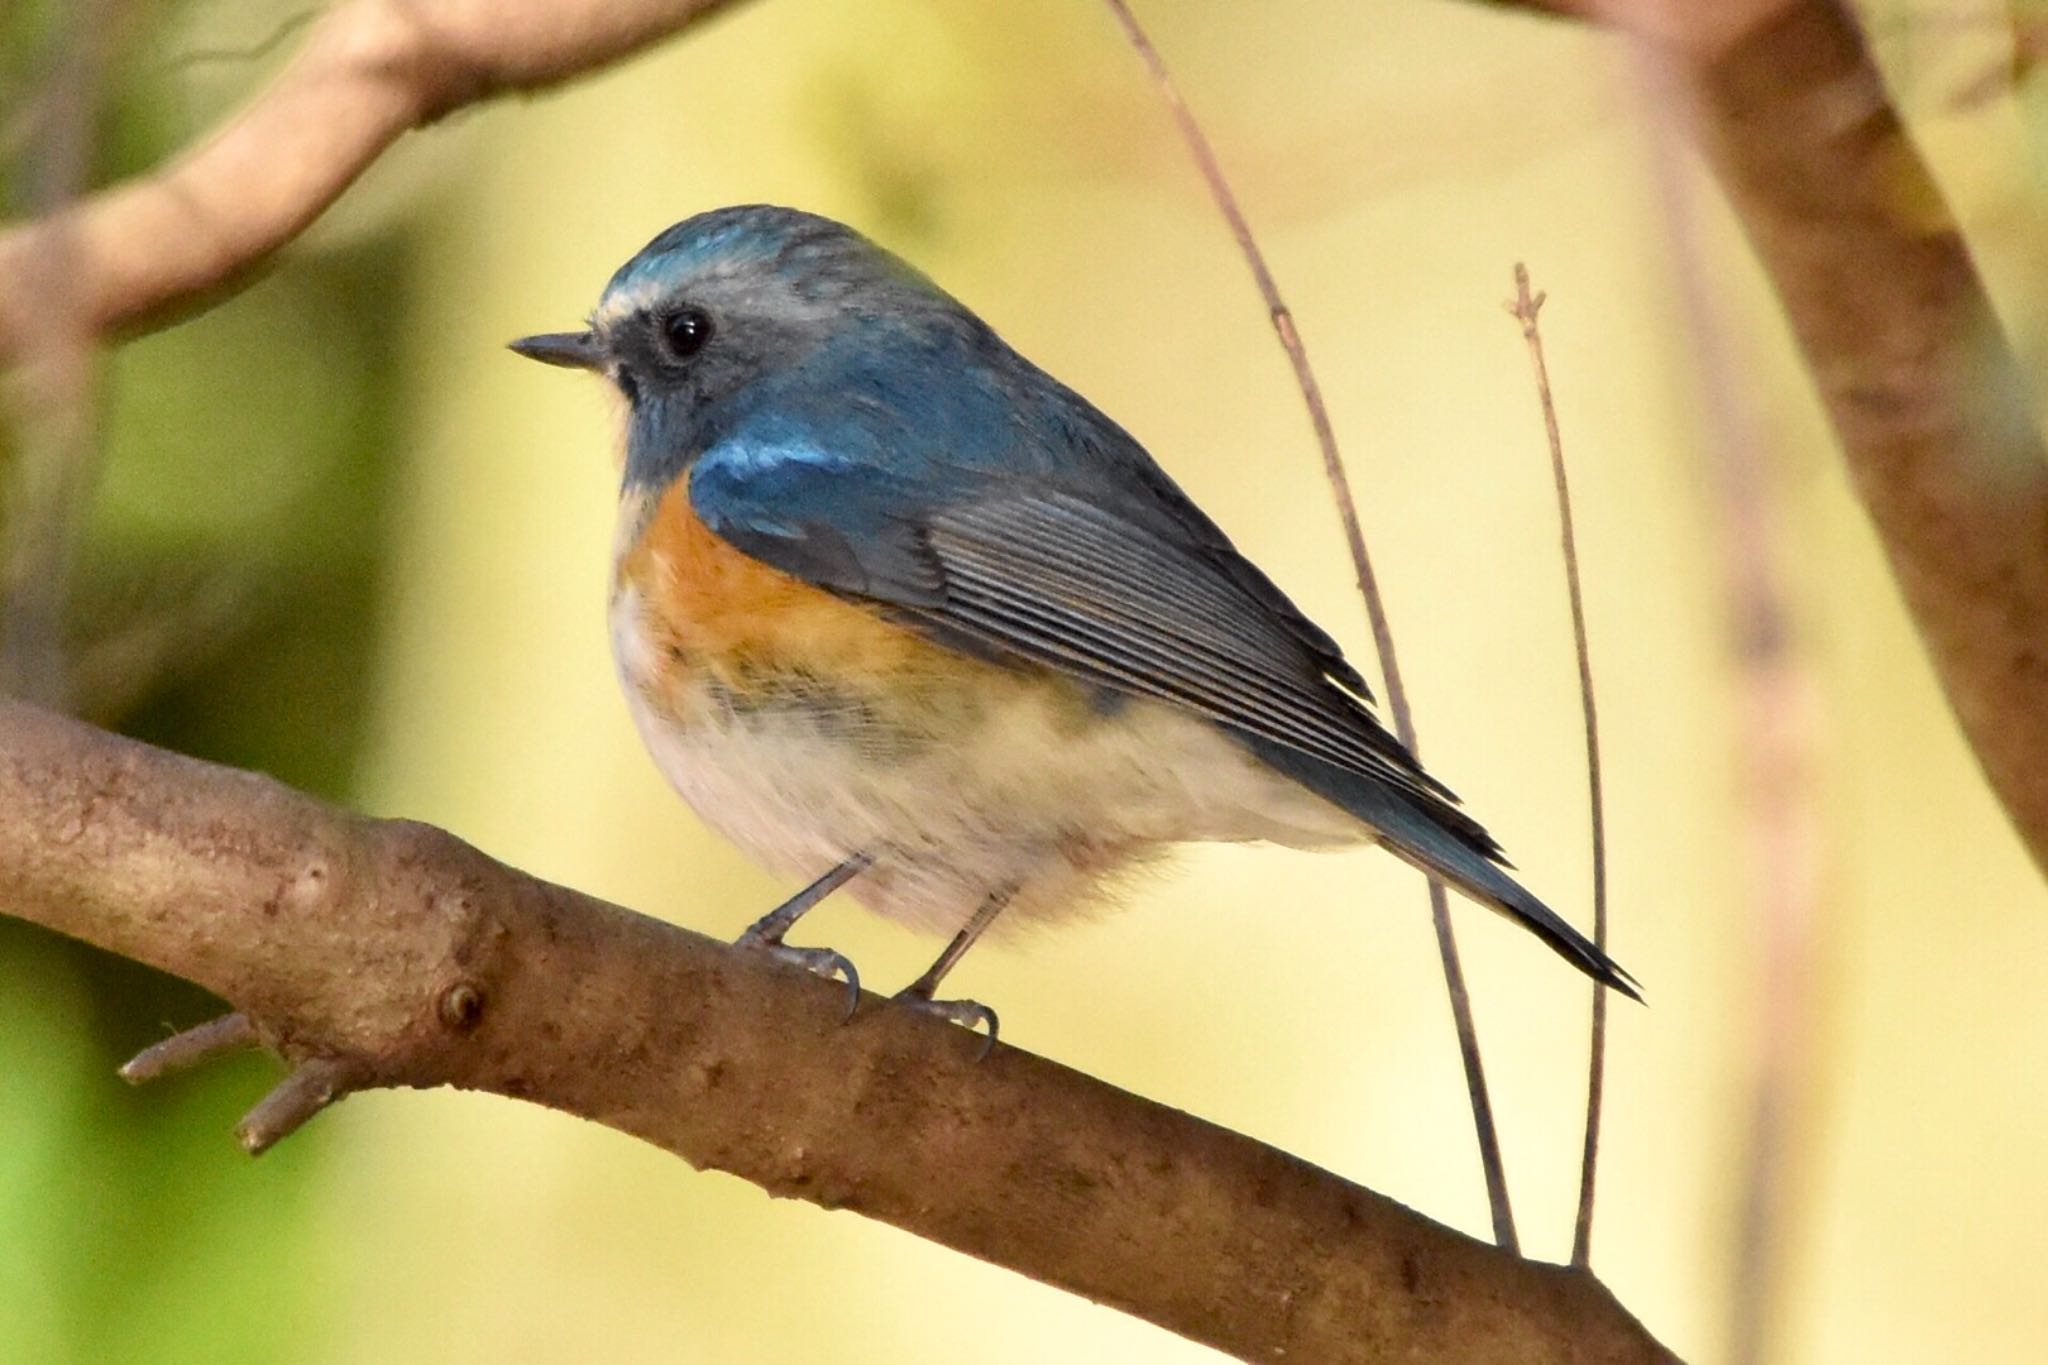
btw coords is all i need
(971, 1015)
(821, 961)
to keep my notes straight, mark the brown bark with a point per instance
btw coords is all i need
(1925, 395)
(383, 953)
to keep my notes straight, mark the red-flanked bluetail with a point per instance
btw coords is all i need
(896, 610)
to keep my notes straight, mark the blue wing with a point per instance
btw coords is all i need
(1000, 508)
(996, 510)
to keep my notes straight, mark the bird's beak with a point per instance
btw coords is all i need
(572, 350)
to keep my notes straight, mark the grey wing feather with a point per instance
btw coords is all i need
(1054, 577)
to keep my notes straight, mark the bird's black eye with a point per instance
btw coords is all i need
(685, 331)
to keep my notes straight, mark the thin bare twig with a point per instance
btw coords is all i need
(1368, 587)
(1524, 308)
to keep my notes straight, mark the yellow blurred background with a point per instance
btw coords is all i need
(1398, 158)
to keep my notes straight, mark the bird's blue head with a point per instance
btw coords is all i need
(699, 324)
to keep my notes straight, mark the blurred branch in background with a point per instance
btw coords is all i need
(370, 71)
(1924, 391)
(1490, 1164)
(381, 953)
(50, 472)
(1925, 394)
(1777, 717)
(1930, 407)
(1524, 308)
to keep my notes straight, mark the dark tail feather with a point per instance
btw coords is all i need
(1439, 846)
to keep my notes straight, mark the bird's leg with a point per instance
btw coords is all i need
(765, 934)
(969, 1014)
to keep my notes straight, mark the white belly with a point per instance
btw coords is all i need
(1028, 794)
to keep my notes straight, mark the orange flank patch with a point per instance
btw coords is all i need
(705, 605)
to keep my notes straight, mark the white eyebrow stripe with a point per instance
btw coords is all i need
(621, 303)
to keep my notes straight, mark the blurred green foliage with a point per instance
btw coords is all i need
(225, 605)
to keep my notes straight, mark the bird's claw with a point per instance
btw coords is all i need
(971, 1015)
(818, 961)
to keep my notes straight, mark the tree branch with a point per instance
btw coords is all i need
(1925, 395)
(1777, 722)
(370, 71)
(385, 953)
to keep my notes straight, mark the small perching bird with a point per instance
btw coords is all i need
(896, 610)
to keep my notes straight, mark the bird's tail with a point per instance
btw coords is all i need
(1445, 843)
